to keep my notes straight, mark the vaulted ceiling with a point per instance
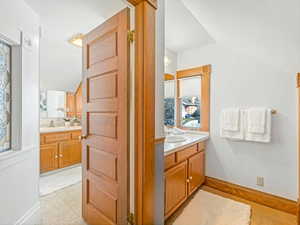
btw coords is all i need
(259, 28)
(60, 62)
(183, 30)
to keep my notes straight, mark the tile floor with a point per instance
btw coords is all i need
(54, 181)
(62, 207)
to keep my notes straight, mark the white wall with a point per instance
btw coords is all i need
(19, 172)
(242, 79)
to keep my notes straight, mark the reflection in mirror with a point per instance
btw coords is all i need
(53, 104)
(189, 100)
(169, 101)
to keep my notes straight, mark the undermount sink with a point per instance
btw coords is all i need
(175, 138)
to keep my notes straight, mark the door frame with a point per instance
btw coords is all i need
(145, 35)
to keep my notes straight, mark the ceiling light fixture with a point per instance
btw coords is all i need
(77, 40)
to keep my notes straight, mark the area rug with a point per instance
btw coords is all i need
(210, 209)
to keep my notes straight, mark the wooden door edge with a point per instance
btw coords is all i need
(145, 18)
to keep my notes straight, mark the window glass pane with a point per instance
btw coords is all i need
(169, 102)
(5, 97)
(190, 95)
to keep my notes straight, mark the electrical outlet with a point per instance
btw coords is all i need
(260, 181)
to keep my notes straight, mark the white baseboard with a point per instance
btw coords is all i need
(28, 216)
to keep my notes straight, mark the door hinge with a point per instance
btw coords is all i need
(131, 36)
(130, 218)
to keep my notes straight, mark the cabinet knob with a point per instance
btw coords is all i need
(188, 180)
(56, 156)
(61, 155)
(191, 178)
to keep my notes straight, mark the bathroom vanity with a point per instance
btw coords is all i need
(59, 147)
(184, 170)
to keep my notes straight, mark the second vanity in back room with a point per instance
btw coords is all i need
(186, 120)
(60, 129)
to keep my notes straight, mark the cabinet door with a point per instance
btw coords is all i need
(78, 100)
(70, 105)
(69, 153)
(196, 172)
(48, 157)
(175, 187)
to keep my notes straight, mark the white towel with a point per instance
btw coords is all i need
(237, 134)
(254, 133)
(256, 120)
(231, 119)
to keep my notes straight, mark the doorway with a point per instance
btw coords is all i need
(75, 135)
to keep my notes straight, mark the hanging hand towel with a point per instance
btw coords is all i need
(256, 120)
(231, 119)
(231, 124)
(258, 125)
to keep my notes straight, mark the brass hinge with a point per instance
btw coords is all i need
(131, 36)
(130, 218)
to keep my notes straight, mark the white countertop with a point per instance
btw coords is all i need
(58, 129)
(191, 138)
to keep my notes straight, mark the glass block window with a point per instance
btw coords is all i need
(5, 97)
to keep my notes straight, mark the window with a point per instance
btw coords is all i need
(193, 98)
(5, 97)
(190, 100)
(169, 101)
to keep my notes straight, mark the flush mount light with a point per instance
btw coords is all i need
(77, 40)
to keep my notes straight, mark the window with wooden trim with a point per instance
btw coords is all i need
(193, 98)
(189, 98)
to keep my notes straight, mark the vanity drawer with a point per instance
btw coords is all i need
(75, 135)
(57, 137)
(201, 146)
(187, 152)
(169, 161)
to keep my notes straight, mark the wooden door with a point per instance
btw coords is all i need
(175, 187)
(69, 153)
(196, 172)
(105, 122)
(48, 157)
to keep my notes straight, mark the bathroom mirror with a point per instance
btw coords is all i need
(53, 104)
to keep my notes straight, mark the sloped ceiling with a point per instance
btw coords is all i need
(261, 28)
(60, 62)
(183, 30)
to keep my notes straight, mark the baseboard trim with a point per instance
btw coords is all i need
(27, 216)
(262, 198)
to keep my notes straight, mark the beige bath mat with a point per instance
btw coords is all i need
(209, 209)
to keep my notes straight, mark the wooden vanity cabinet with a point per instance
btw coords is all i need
(59, 150)
(175, 187)
(184, 174)
(48, 157)
(195, 172)
(69, 153)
